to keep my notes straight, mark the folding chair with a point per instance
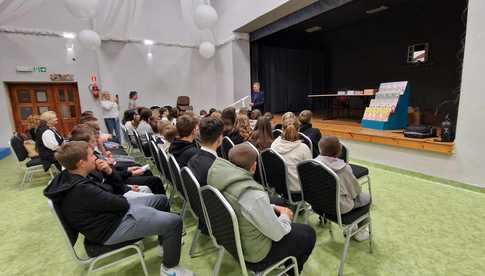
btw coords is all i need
(226, 146)
(127, 139)
(360, 172)
(177, 183)
(224, 230)
(306, 140)
(93, 260)
(194, 198)
(321, 189)
(29, 167)
(146, 155)
(276, 177)
(259, 174)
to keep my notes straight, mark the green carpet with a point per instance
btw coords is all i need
(420, 228)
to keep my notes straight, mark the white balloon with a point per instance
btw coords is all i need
(82, 9)
(205, 16)
(89, 39)
(207, 49)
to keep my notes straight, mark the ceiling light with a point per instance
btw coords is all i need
(376, 10)
(313, 29)
(148, 42)
(69, 35)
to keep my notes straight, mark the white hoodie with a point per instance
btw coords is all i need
(349, 186)
(293, 153)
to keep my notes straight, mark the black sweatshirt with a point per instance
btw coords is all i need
(89, 205)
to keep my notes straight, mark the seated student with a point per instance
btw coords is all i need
(293, 151)
(166, 135)
(133, 175)
(306, 128)
(184, 147)
(228, 116)
(351, 195)
(243, 126)
(144, 125)
(210, 130)
(269, 116)
(267, 234)
(103, 215)
(262, 138)
(202, 113)
(131, 120)
(48, 139)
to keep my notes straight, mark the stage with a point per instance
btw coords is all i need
(351, 130)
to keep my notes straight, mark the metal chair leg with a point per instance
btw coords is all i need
(195, 239)
(142, 261)
(370, 236)
(218, 264)
(298, 207)
(23, 179)
(344, 254)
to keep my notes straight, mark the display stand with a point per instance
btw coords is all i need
(389, 110)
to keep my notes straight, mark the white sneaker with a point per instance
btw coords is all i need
(175, 271)
(363, 235)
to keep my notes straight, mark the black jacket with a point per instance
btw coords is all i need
(314, 134)
(89, 205)
(200, 164)
(183, 151)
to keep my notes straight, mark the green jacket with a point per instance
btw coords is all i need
(232, 182)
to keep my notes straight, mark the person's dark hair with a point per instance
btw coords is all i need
(243, 156)
(330, 146)
(212, 110)
(69, 154)
(210, 128)
(145, 114)
(305, 116)
(132, 94)
(268, 115)
(154, 107)
(202, 112)
(128, 115)
(172, 114)
(262, 136)
(255, 114)
(228, 116)
(87, 118)
(162, 110)
(185, 125)
(82, 132)
(87, 112)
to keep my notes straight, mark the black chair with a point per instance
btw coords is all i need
(224, 230)
(166, 172)
(126, 137)
(144, 150)
(276, 133)
(177, 182)
(321, 189)
(97, 252)
(156, 157)
(307, 141)
(276, 177)
(226, 146)
(28, 165)
(259, 174)
(360, 172)
(194, 198)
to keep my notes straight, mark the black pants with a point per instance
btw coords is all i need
(153, 182)
(298, 243)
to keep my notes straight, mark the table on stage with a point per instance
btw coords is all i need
(329, 100)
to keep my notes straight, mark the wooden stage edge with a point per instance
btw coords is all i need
(351, 130)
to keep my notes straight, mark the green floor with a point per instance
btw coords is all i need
(421, 228)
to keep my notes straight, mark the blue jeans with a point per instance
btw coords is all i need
(113, 126)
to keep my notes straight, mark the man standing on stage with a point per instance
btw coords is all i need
(257, 97)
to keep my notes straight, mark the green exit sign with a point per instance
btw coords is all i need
(40, 69)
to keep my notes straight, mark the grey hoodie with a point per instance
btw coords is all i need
(293, 153)
(349, 186)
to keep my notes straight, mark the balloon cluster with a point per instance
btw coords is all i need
(205, 18)
(85, 10)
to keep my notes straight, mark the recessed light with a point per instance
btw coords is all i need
(148, 42)
(376, 10)
(313, 29)
(69, 35)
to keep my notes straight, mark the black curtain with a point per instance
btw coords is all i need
(287, 76)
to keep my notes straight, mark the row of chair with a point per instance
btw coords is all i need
(320, 188)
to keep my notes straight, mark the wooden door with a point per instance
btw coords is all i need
(35, 98)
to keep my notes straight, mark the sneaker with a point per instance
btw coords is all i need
(363, 235)
(175, 271)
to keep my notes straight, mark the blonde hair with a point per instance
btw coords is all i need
(242, 124)
(48, 117)
(32, 121)
(288, 115)
(290, 129)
